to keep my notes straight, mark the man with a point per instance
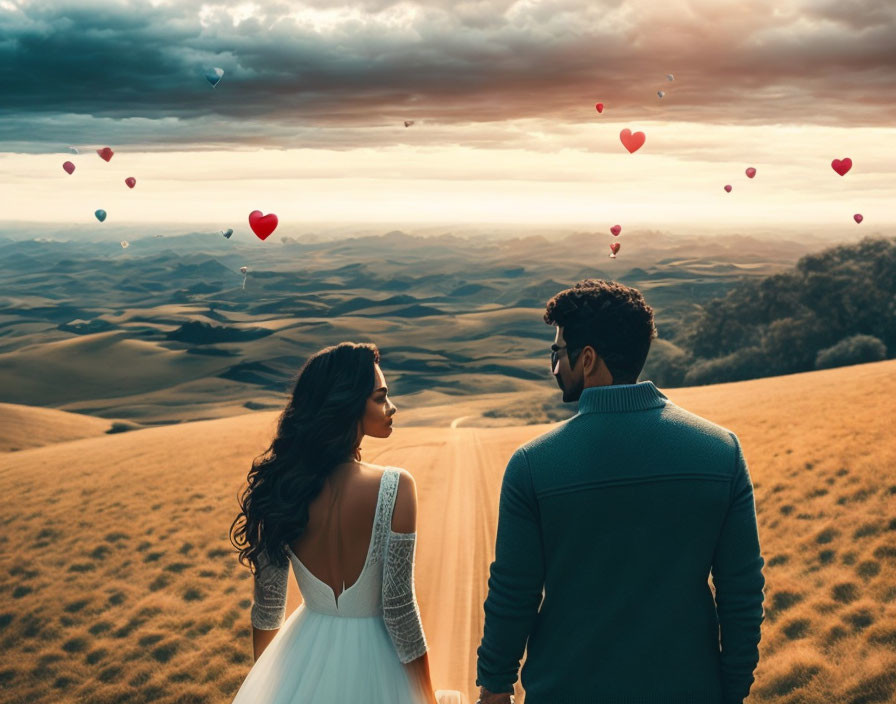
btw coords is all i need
(608, 527)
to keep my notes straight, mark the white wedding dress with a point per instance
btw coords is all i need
(349, 650)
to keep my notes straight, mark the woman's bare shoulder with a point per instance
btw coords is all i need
(406, 498)
(373, 467)
(379, 469)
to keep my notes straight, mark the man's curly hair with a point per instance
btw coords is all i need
(612, 318)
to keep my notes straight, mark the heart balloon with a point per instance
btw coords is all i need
(751, 172)
(728, 188)
(213, 75)
(632, 142)
(124, 244)
(100, 214)
(614, 247)
(227, 233)
(858, 217)
(262, 225)
(105, 153)
(131, 181)
(841, 166)
(616, 229)
(69, 167)
(600, 107)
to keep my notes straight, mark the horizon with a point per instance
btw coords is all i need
(824, 233)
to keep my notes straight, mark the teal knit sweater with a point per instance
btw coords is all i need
(608, 528)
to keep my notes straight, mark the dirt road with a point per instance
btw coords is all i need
(458, 473)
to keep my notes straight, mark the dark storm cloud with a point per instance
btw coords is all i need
(91, 72)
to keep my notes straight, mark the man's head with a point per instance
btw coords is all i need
(604, 330)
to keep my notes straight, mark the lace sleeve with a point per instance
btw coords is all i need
(400, 611)
(269, 607)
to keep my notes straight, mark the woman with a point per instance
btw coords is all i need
(311, 502)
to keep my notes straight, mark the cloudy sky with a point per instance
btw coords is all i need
(308, 119)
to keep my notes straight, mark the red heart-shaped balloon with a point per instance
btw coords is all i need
(600, 107)
(751, 172)
(728, 188)
(614, 247)
(105, 153)
(632, 142)
(131, 181)
(69, 167)
(841, 166)
(262, 225)
(858, 218)
(616, 229)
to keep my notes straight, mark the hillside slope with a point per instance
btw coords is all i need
(123, 586)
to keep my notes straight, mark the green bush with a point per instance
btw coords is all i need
(666, 364)
(790, 344)
(791, 322)
(748, 363)
(857, 349)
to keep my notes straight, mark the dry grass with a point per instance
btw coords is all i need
(25, 427)
(119, 583)
(822, 454)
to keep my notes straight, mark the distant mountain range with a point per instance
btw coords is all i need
(167, 324)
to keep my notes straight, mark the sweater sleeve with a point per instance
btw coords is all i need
(516, 580)
(738, 581)
(269, 605)
(400, 611)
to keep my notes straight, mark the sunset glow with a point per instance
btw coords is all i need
(307, 120)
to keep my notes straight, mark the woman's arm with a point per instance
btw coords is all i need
(418, 673)
(269, 603)
(400, 610)
(261, 639)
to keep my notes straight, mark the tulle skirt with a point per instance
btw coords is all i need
(322, 659)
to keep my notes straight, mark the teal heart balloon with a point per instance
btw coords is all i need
(100, 214)
(227, 233)
(213, 75)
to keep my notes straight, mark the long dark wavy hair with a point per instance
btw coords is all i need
(317, 431)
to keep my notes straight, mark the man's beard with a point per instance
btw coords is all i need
(573, 392)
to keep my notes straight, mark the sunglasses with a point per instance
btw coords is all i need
(555, 355)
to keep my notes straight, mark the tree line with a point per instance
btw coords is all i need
(836, 307)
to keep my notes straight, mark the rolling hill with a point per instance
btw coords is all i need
(122, 585)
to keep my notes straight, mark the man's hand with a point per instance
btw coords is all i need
(486, 697)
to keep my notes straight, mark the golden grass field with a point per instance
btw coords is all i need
(120, 584)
